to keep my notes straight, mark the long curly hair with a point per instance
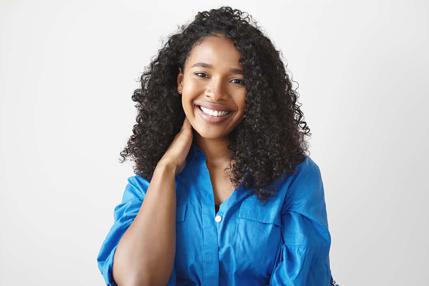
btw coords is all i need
(270, 140)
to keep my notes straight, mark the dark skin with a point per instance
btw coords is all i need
(145, 253)
(217, 161)
(222, 186)
(218, 80)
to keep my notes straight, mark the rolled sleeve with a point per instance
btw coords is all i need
(304, 256)
(124, 214)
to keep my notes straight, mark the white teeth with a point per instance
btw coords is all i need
(213, 112)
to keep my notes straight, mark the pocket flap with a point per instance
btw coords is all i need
(253, 209)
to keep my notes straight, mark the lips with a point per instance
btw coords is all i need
(210, 118)
(214, 106)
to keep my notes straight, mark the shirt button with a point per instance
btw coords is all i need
(218, 218)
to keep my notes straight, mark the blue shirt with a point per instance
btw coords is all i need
(285, 241)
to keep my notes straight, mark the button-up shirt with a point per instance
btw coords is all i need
(284, 241)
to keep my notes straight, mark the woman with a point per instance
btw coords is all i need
(224, 193)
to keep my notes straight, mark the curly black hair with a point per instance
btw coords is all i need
(270, 140)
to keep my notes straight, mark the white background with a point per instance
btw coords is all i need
(67, 72)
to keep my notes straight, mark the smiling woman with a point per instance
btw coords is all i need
(213, 93)
(224, 192)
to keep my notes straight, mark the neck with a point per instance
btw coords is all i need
(215, 150)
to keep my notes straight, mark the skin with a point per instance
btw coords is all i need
(221, 82)
(145, 253)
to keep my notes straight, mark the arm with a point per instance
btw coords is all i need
(145, 253)
(140, 247)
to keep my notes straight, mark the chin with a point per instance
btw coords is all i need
(210, 135)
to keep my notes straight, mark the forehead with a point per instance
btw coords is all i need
(215, 50)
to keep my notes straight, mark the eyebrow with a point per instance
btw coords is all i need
(205, 65)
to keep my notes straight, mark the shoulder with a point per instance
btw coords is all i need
(305, 172)
(136, 187)
(304, 191)
(307, 176)
(138, 182)
(308, 169)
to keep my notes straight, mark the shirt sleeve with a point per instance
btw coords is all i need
(124, 214)
(304, 255)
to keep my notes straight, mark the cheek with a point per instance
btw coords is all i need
(191, 91)
(192, 86)
(188, 106)
(242, 103)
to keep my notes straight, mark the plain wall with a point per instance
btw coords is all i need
(67, 73)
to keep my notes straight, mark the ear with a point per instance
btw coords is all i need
(180, 82)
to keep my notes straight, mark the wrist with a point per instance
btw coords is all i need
(166, 167)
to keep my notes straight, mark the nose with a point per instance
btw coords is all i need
(215, 89)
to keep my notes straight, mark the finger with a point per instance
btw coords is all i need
(186, 124)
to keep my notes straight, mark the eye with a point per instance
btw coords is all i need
(200, 74)
(238, 81)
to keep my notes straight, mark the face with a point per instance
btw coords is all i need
(212, 88)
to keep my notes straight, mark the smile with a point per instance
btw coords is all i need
(213, 116)
(213, 112)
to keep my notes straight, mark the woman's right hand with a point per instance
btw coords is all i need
(175, 156)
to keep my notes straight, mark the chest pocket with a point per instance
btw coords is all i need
(255, 211)
(258, 239)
